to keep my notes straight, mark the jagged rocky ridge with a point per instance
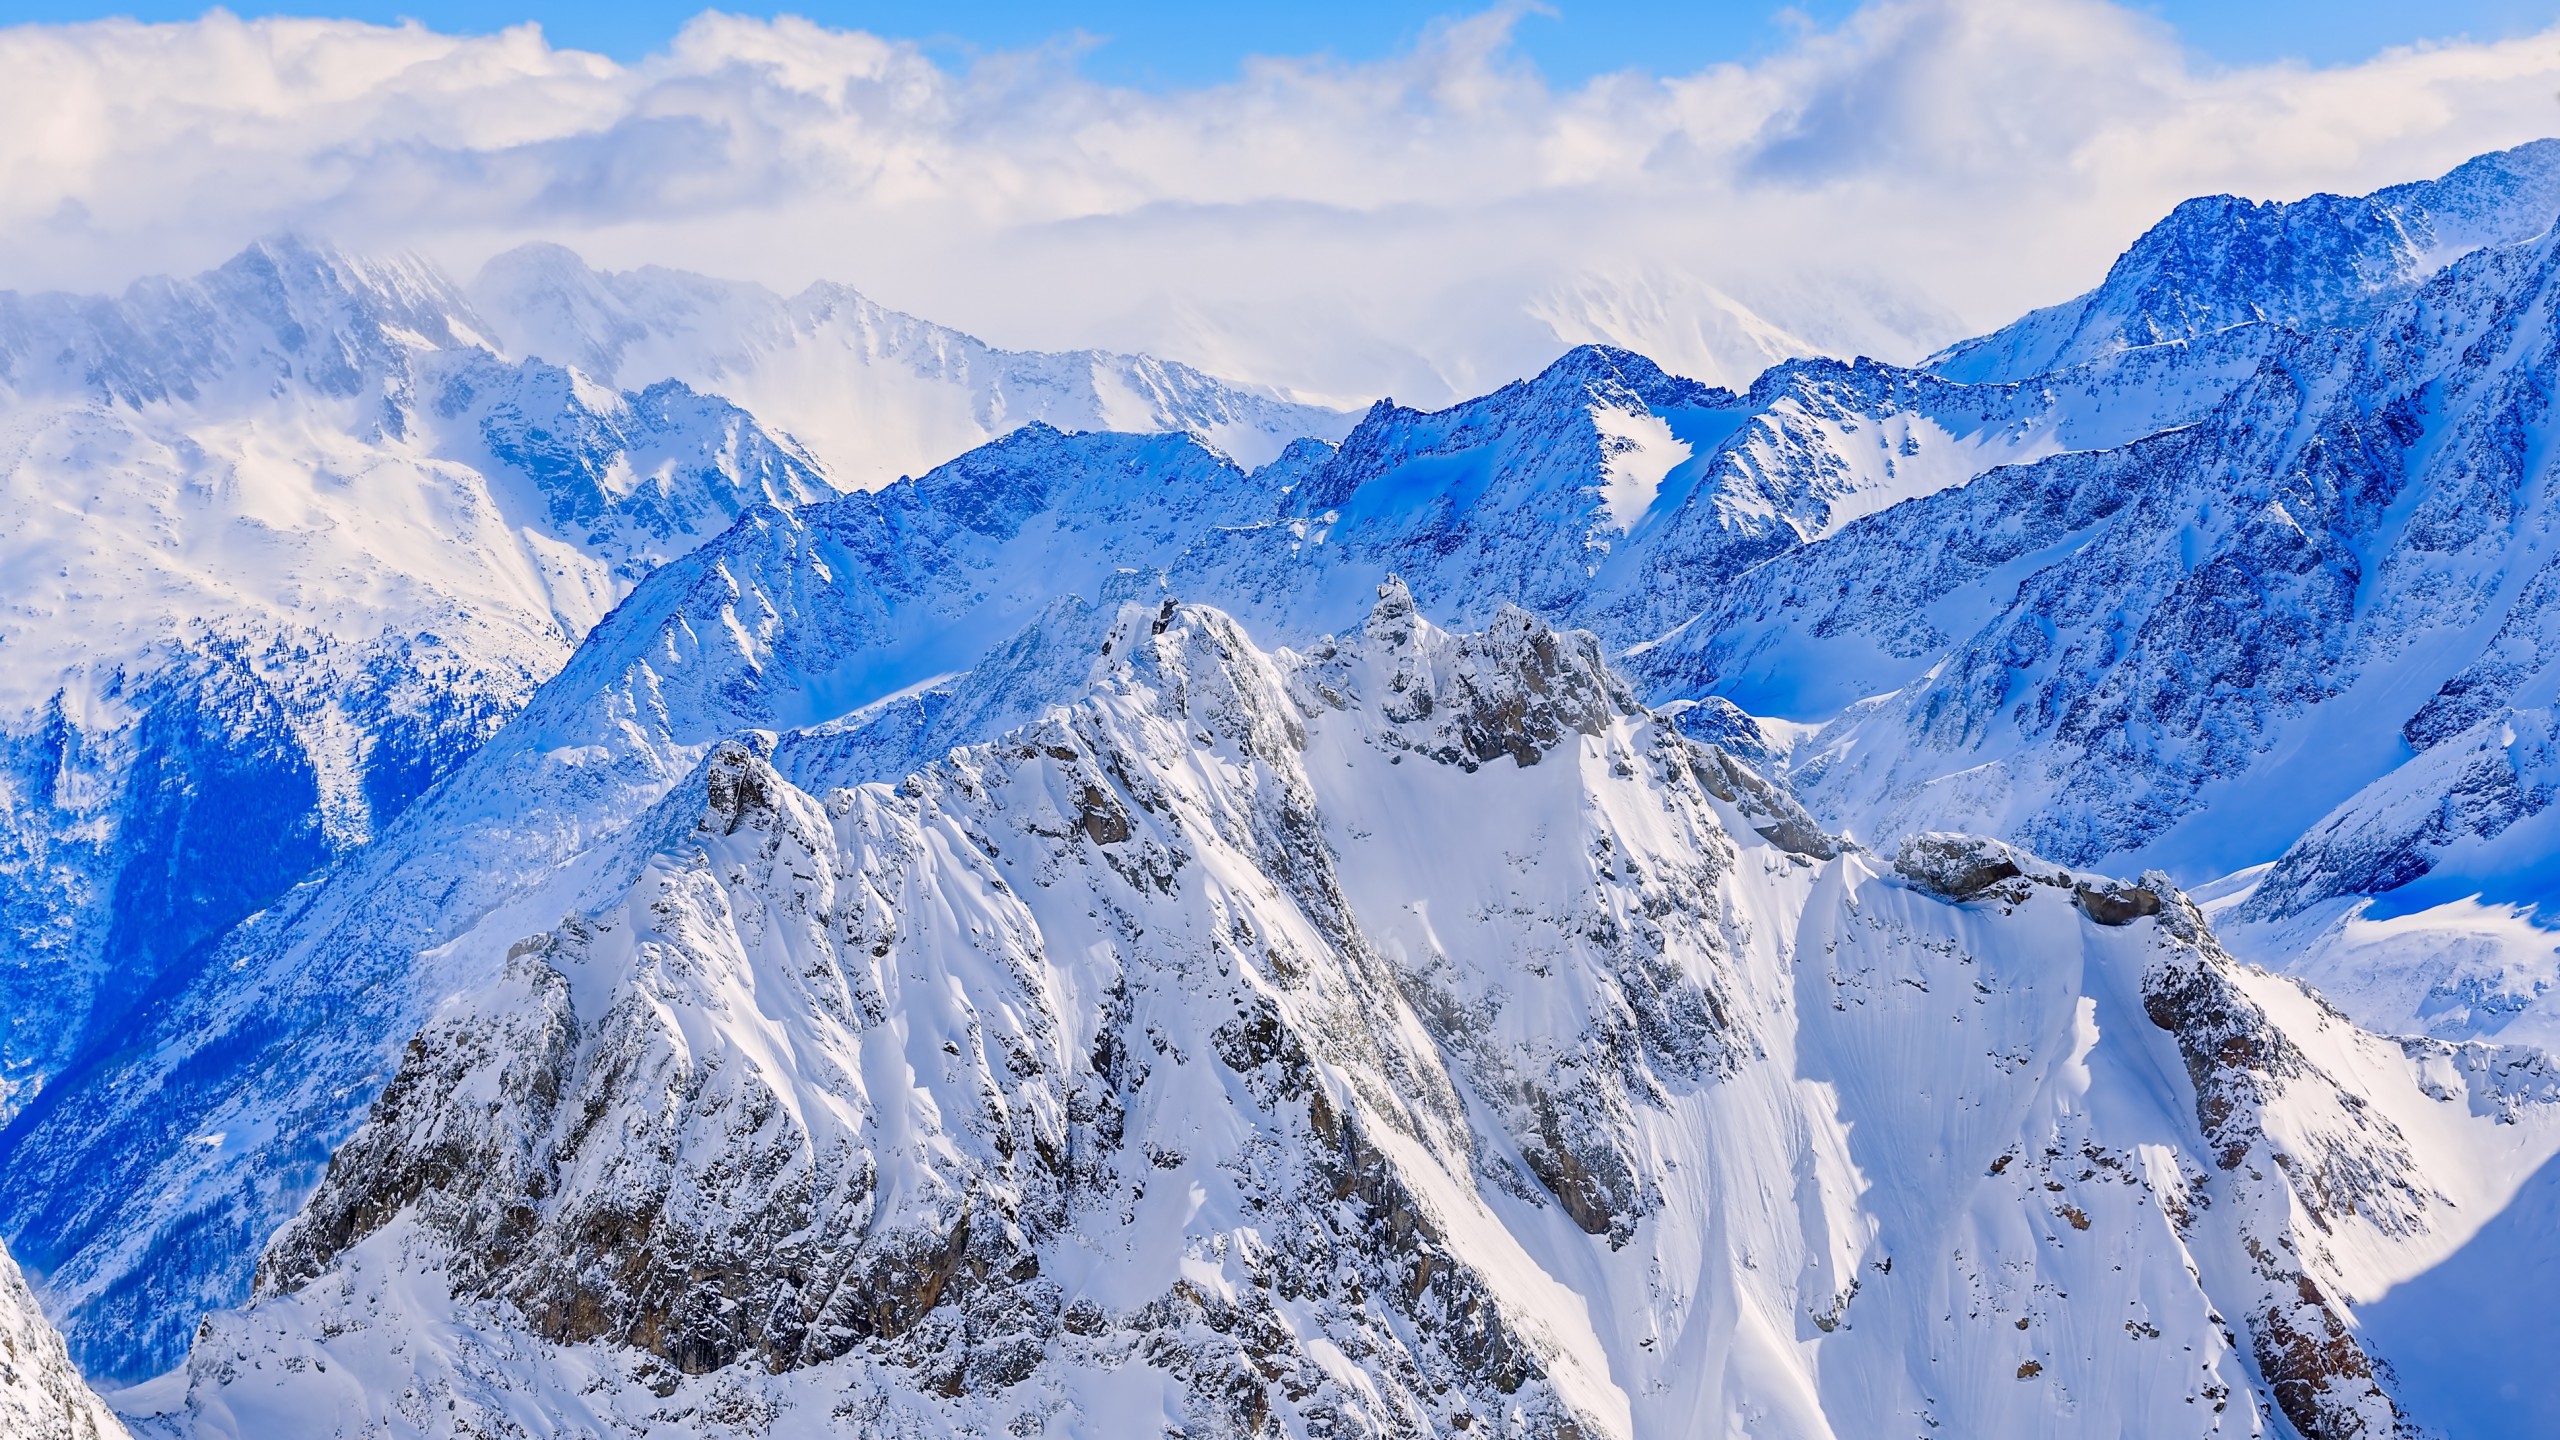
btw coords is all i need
(295, 536)
(287, 544)
(1410, 1035)
(2186, 649)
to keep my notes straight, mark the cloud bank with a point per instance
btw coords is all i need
(1424, 226)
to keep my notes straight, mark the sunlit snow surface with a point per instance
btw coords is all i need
(874, 394)
(292, 538)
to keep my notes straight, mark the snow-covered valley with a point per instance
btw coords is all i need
(611, 853)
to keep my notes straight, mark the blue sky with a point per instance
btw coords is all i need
(1168, 43)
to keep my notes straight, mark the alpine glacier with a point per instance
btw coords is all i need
(551, 895)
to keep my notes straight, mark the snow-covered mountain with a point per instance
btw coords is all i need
(42, 1397)
(286, 543)
(2304, 630)
(894, 624)
(2316, 263)
(1408, 1035)
(290, 539)
(873, 393)
(1064, 898)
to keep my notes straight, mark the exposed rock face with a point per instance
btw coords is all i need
(2338, 1160)
(622, 1183)
(2303, 1153)
(1965, 867)
(1959, 867)
(41, 1396)
(2114, 653)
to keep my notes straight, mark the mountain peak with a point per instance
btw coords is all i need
(2218, 261)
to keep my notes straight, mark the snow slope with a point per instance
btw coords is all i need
(1407, 1035)
(291, 538)
(286, 544)
(2304, 637)
(2264, 593)
(2189, 648)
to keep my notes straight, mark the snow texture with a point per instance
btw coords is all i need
(292, 538)
(902, 621)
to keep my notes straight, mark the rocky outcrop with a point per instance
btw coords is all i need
(2331, 1157)
(2339, 1159)
(1969, 867)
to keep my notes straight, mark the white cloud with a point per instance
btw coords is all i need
(1426, 225)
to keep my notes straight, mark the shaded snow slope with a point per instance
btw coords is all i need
(41, 1396)
(875, 394)
(1406, 1035)
(259, 1059)
(2319, 262)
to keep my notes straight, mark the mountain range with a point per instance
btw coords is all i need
(601, 852)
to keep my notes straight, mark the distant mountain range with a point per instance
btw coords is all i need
(611, 851)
